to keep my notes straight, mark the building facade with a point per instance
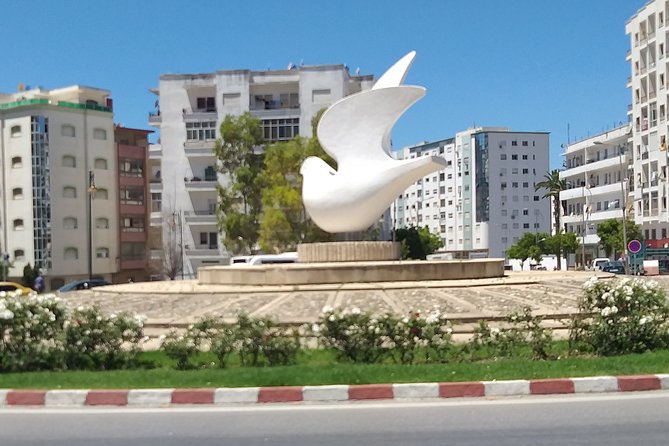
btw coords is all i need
(189, 110)
(649, 41)
(596, 172)
(55, 145)
(484, 200)
(133, 205)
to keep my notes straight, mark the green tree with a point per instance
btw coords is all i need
(529, 246)
(239, 152)
(284, 222)
(611, 237)
(560, 244)
(553, 185)
(417, 243)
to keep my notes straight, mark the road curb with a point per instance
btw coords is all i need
(330, 393)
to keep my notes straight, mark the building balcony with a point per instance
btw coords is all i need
(156, 219)
(279, 113)
(155, 119)
(130, 264)
(155, 151)
(629, 55)
(203, 252)
(197, 184)
(592, 165)
(200, 116)
(206, 217)
(199, 149)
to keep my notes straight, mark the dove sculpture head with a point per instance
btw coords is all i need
(355, 131)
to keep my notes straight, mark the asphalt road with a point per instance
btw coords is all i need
(622, 419)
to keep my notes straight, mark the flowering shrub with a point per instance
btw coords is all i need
(354, 335)
(38, 333)
(622, 316)
(362, 337)
(31, 332)
(414, 333)
(258, 341)
(523, 330)
(96, 341)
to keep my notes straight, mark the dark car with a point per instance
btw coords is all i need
(615, 267)
(82, 285)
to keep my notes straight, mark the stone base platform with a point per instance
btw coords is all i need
(356, 251)
(350, 272)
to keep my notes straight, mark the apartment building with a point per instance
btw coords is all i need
(189, 110)
(484, 200)
(649, 41)
(132, 156)
(596, 171)
(58, 173)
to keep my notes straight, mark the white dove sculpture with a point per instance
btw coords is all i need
(355, 131)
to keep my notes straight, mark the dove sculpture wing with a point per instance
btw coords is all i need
(355, 131)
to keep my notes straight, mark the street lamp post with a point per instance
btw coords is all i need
(91, 190)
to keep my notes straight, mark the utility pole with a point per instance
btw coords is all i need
(91, 190)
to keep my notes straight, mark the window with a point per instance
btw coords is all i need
(102, 253)
(524, 157)
(69, 192)
(526, 226)
(101, 223)
(69, 223)
(17, 193)
(502, 157)
(16, 162)
(536, 198)
(514, 184)
(514, 157)
(526, 184)
(156, 204)
(526, 171)
(132, 251)
(131, 167)
(71, 253)
(99, 134)
(525, 144)
(132, 224)
(101, 194)
(320, 96)
(19, 255)
(15, 131)
(132, 196)
(514, 143)
(69, 161)
(200, 131)
(206, 104)
(281, 129)
(18, 224)
(526, 212)
(514, 171)
(67, 130)
(231, 99)
(100, 163)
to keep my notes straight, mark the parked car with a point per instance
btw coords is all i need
(615, 267)
(599, 262)
(10, 287)
(84, 284)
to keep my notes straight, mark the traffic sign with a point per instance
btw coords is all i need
(634, 246)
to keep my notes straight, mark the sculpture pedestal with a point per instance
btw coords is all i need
(358, 251)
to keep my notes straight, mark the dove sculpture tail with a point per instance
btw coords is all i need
(355, 131)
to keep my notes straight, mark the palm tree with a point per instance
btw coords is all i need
(553, 186)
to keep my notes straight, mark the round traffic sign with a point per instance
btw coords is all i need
(634, 246)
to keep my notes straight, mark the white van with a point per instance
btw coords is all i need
(264, 259)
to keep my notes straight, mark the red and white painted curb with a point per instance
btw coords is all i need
(333, 393)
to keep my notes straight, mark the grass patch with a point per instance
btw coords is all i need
(317, 367)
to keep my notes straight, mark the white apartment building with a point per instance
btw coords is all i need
(649, 82)
(50, 142)
(484, 200)
(596, 172)
(191, 108)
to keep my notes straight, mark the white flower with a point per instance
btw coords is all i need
(327, 309)
(80, 308)
(355, 310)
(643, 320)
(316, 328)
(606, 311)
(6, 314)
(332, 318)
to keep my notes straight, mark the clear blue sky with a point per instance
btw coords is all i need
(532, 65)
